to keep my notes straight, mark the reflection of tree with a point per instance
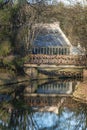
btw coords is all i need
(16, 114)
(74, 119)
(81, 114)
(18, 117)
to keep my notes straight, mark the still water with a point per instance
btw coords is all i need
(52, 109)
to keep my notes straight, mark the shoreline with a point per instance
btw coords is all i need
(9, 79)
(79, 94)
(14, 82)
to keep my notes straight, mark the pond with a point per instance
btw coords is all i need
(42, 105)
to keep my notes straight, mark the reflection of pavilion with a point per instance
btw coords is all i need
(45, 93)
(53, 87)
(56, 88)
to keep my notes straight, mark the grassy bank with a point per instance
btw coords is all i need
(81, 91)
(11, 70)
(8, 78)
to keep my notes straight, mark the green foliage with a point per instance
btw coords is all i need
(1, 1)
(19, 61)
(9, 64)
(4, 16)
(5, 48)
(14, 14)
(4, 23)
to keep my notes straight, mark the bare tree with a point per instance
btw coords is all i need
(27, 32)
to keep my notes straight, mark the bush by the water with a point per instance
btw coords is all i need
(5, 48)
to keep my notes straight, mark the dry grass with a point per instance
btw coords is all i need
(81, 91)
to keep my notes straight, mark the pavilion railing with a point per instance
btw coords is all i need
(78, 60)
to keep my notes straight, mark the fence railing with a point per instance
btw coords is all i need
(79, 60)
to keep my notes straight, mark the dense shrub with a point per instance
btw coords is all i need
(5, 48)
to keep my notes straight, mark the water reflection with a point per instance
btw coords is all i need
(4, 97)
(52, 87)
(56, 88)
(70, 116)
(20, 112)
